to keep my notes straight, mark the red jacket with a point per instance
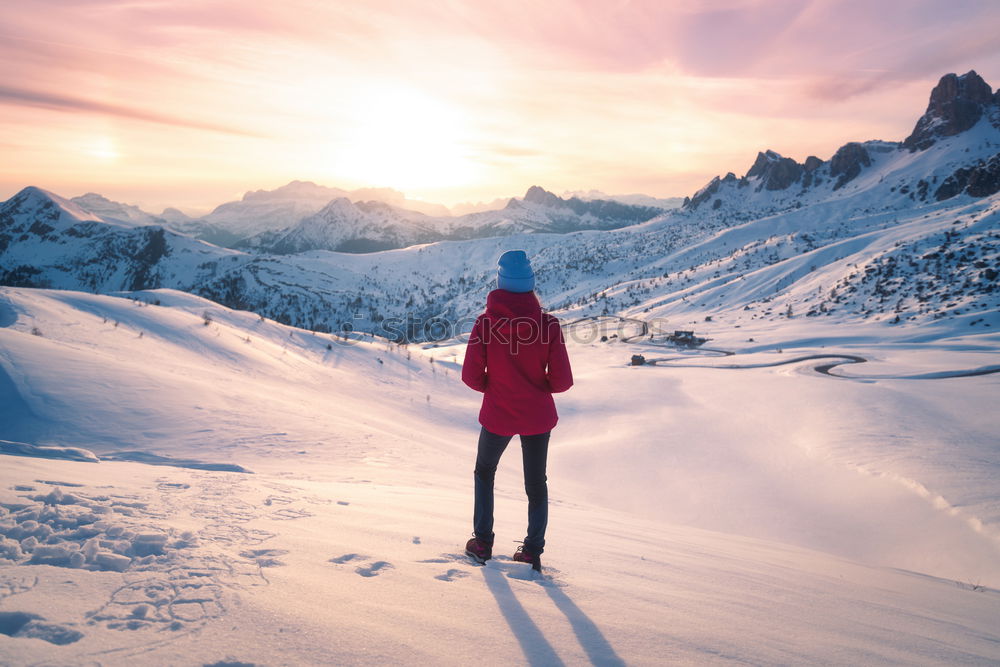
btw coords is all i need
(517, 357)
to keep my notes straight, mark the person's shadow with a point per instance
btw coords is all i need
(537, 649)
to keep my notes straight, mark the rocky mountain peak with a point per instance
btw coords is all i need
(812, 163)
(537, 195)
(848, 162)
(172, 214)
(775, 172)
(339, 206)
(763, 161)
(34, 201)
(957, 103)
(295, 190)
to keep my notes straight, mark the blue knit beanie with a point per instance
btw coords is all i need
(515, 274)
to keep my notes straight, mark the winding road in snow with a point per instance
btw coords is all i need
(600, 323)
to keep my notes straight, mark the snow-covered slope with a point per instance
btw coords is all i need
(699, 514)
(113, 211)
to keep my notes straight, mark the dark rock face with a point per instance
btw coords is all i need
(809, 168)
(953, 185)
(705, 193)
(762, 163)
(846, 163)
(980, 180)
(775, 172)
(957, 103)
(985, 179)
(154, 248)
(783, 173)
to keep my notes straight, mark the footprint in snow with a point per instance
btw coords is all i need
(14, 584)
(346, 558)
(22, 624)
(265, 557)
(452, 575)
(172, 487)
(447, 558)
(374, 569)
(289, 514)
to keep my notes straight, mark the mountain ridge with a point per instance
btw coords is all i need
(879, 232)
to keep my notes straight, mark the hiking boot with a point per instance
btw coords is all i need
(524, 556)
(479, 550)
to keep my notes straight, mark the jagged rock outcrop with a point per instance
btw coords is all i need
(537, 195)
(957, 103)
(774, 171)
(782, 174)
(980, 180)
(847, 162)
(811, 164)
(704, 194)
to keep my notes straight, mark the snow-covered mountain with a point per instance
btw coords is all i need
(259, 211)
(953, 149)
(303, 216)
(343, 226)
(47, 240)
(893, 232)
(635, 199)
(106, 209)
(263, 211)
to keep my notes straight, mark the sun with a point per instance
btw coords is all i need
(402, 137)
(101, 147)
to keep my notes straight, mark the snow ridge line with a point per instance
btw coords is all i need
(937, 501)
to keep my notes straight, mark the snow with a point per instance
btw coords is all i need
(706, 509)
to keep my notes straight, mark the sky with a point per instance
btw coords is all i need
(190, 103)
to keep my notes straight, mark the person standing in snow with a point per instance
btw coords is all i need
(517, 357)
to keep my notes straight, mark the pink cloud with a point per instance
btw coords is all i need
(627, 91)
(51, 100)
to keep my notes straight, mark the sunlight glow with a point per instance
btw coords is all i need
(403, 138)
(102, 148)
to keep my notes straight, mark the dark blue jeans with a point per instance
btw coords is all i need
(534, 452)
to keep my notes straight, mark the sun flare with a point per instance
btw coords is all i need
(404, 138)
(102, 148)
